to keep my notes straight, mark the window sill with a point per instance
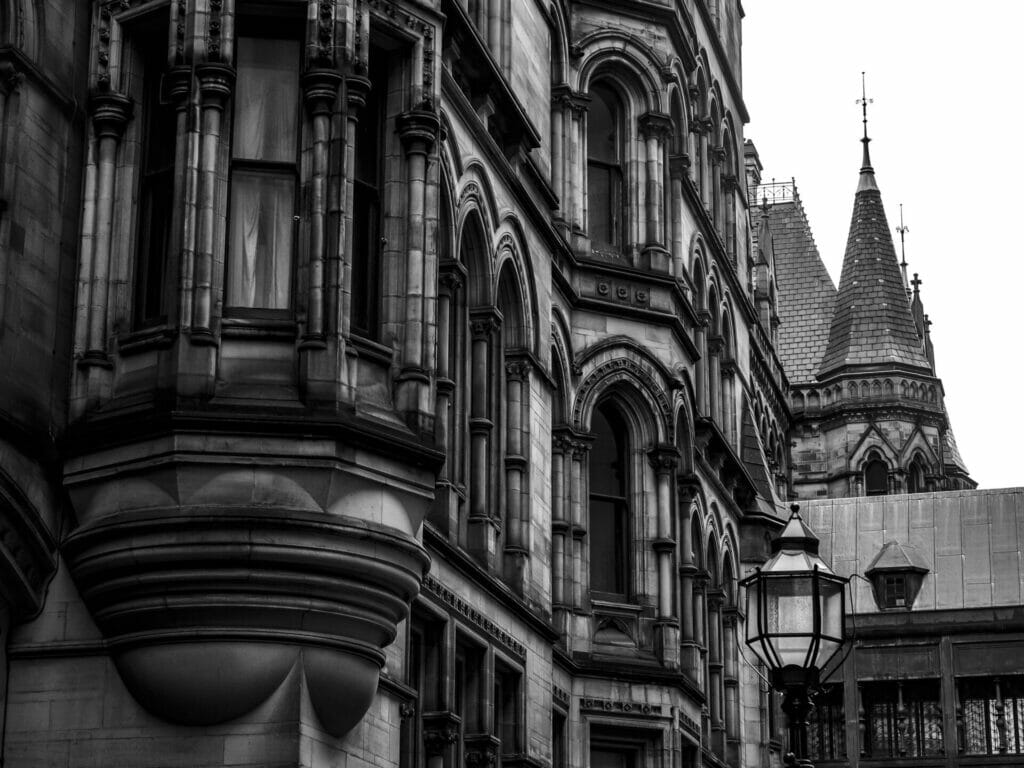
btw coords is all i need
(146, 339)
(373, 351)
(610, 603)
(262, 325)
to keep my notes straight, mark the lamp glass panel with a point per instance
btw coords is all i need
(790, 618)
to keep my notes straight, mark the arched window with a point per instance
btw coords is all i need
(604, 169)
(915, 476)
(876, 476)
(609, 508)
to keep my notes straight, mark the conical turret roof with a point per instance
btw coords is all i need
(872, 324)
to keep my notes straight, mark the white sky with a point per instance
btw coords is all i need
(945, 79)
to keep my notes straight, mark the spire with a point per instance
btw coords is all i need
(867, 173)
(872, 323)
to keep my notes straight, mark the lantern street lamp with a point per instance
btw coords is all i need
(794, 623)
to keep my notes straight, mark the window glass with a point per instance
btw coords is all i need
(604, 170)
(608, 533)
(876, 477)
(156, 189)
(266, 118)
(263, 179)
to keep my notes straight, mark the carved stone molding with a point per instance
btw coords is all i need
(473, 616)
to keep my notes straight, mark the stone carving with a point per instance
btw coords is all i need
(473, 616)
(620, 707)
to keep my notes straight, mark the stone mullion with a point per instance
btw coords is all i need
(418, 130)
(216, 83)
(110, 113)
(481, 530)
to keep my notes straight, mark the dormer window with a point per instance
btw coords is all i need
(896, 575)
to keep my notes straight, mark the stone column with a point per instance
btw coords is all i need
(110, 113)
(715, 346)
(446, 431)
(481, 544)
(715, 686)
(320, 89)
(678, 167)
(704, 364)
(559, 106)
(664, 459)
(561, 456)
(517, 534)
(216, 82)
(700, 623)
(717, 158)
(655, 128)
(731, 680)
(579, 491)
(578, 104)
(728, 376)
(418, 130)
(689, 654)
(357, 89)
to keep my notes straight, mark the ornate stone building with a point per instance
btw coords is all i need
(391, 383)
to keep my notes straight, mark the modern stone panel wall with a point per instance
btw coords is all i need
(972, 540)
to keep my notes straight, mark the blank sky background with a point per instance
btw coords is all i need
(945, 124)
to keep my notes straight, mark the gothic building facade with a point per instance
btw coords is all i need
(401, 383)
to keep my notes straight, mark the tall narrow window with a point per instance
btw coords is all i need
(154, 277)
(264, 154)
(367, 189)
(609, 510)
(876, 476)
(469, 660)
(506, 707)
(604, 169)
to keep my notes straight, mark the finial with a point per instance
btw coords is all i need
(916, 282)
(903, 229)
(864, 101)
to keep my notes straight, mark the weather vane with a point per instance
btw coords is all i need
(864, 101)
(903, 229)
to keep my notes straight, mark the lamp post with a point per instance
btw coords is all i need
(794, 623)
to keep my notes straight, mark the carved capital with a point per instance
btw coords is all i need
(178, 81)
(419, 129)
(655, 125)
(518, 369)
(440, 731)
(483, 326)
(110, 113)
(216, 81)
(357, 88)
(320, 89)
(679, 166)
(481, 750)
(450, 280)
(664, 459)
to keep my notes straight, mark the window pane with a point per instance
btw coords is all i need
(260, 248)
(266, 100)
